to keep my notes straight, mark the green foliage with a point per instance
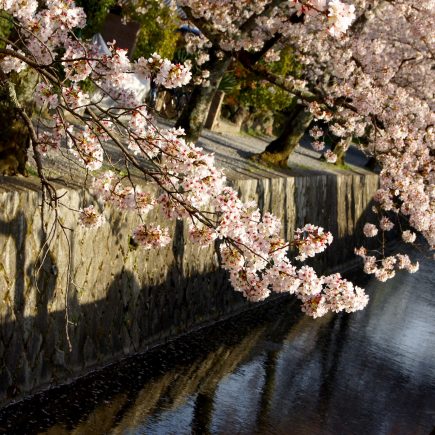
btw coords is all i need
(158, 28)
(96, 12)
(263, 96)
(5, 28)
(228, 83)
(260, 95)
(158, 24)
(181, 55)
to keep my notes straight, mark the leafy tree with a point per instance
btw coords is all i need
(158, 28)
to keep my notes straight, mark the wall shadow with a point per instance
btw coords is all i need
(323, 202)
(24, 338)
(35, 350)
(137, 387)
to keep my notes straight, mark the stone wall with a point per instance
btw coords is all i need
(120, 300)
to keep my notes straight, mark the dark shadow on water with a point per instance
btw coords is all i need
(180, 367)
(343, 374)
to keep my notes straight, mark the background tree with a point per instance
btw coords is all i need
(96, 12)
(252, 97)
(158, 27)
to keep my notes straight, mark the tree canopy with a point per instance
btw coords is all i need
(346, 81)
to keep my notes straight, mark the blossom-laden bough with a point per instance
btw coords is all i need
(372, 83)
(250, 245)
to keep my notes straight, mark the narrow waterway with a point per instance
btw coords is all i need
(269, 371)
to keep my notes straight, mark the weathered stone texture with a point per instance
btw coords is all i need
(121, 300)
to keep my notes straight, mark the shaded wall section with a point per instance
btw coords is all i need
(121, 300)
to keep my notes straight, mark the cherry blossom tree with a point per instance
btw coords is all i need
(372, 82)
(191, 187)
(363, 86)
(247, 30)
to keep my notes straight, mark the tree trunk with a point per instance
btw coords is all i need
(214, 113)
(194, 114)
(240, 116)
(15, 138)
(279, 150)
(340, 149)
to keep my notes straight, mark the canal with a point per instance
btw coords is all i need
(268, 371)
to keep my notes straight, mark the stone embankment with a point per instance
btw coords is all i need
(75, 300)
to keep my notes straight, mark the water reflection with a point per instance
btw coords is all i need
(271, 371)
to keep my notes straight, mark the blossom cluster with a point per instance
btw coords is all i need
(227, 18)
(150, 236)
(385, 268)
(339, 15)
(163, 71)
(330, 156)
(110, 188)
(337, 294)
(311, 240)
(377, 87)
(90, 218)
(251, 247)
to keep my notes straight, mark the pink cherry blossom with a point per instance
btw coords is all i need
(409, 236)
(150, 237)
(330, 156)
(90, 218)
(370, 230)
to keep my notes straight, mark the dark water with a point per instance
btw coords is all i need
(270, 371)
